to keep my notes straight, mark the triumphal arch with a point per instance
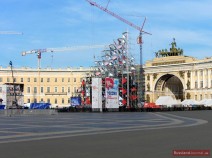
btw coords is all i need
(171, 73)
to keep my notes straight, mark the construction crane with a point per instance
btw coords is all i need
(10, 33)
(139, 39)
(62, 49)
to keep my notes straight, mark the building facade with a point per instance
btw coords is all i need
(182, 77)
(54, 86)
(169, 74)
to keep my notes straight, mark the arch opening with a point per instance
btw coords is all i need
(169, 85)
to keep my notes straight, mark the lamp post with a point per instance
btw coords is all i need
(14, 102)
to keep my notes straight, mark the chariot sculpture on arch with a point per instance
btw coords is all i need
(174, 51)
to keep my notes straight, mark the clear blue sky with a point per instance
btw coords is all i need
(55, 23)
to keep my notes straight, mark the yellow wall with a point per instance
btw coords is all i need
(63, 83)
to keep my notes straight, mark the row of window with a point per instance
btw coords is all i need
(206, 96)
(201, 84)
(41, 80)
(201, 72)
(48, 89)
(53, 101)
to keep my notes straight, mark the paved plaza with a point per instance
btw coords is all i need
(111, 134)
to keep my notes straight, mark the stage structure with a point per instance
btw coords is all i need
(117, 63)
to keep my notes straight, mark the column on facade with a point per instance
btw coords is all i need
(151, 87)
(198, 79)
(203, 78)
(151, 83)
(208, 78)
(186, 79)
(192, 82)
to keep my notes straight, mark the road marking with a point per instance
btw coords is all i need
(163, 121)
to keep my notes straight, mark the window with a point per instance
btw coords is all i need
(15, 79)
(28, 89)
(196, 84)
(0, 89)
(68, 100)
(55, 89)
(8, 79)
(68, 79)
(48, 89)
(69, 89)
(195, 97)
(28, 100)
(0, 79)
(48, 100)
(41, 80)
(35, 79)
(201, 84)
(22, 80)
(200, 97)
(35, 89)
(195, 73)
(55, 80)
(75, 89)
(28, 79)
(63, 89)
(206, 96)
(62, 100)
(55, 101)
(62, 79)
(41, 99)
(206, 84)
(74, 79)
(35, 100)
(48, 79)
(201, 73)
(41, 89)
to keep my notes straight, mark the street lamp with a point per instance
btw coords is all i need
(14, 102)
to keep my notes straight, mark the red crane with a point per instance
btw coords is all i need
(139, 41)
(140, 29)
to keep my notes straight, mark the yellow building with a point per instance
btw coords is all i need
(54, 86)
(182, 77)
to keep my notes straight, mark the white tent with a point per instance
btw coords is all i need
(203, 101)
(189, 102)
(206, 102)
(166, 101)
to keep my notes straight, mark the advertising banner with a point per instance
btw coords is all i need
(75, 101)
(97, 93)
(112, 93)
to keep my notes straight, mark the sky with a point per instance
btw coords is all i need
(68, 23)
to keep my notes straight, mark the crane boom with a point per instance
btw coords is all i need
(10, 33)
(62, 49)
(117, 16)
